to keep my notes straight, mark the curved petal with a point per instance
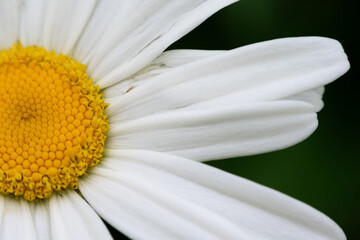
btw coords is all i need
(313, 96)
(40, 214)
(72, 218)
(165, 62)
(17, 222)
(169, 197)
(122, 37)
(264, 71)
(8, 23)
(169, 60)
(218, 132)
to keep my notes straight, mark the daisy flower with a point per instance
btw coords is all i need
(97, 121)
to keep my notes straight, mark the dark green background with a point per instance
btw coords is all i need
(323, 171)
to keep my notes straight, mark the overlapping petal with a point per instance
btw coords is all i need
(259, 72)
(55, 25)
(122, 37)
(165, 62)
(8, 22)
(31, 22)
(72, 218)
(152, 195)
(198, 104)
(41, 218)
(218, 131)
(17, 222)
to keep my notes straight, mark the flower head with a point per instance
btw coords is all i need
(53, 133)
(94, 117)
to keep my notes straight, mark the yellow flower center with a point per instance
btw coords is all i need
(52, 122)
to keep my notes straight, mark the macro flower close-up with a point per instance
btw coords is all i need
(100, 122)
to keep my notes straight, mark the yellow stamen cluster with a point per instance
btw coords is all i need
(52, 122)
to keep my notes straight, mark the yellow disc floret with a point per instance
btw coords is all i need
(52, 122)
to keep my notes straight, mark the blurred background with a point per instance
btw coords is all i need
(323, 171)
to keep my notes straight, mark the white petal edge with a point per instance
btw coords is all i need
(8, 22)
(40, 214)
(17, 222)
(133, 33)
(164, 194)
(218, 132)
(171, 59)
(259, 72)
(313, 96)
(72, 218)
(162, 64)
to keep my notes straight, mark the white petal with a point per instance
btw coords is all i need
(164, 63)
(171, 197)
(63, 22)
(263, 71)
(142, 216)
(72, 218)
(40, 214)
(8, 22)
(2, 202)
(218, 132)
(313, 96)
(31, 20)
(124, 36)
(175, 58)
(17, 222)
